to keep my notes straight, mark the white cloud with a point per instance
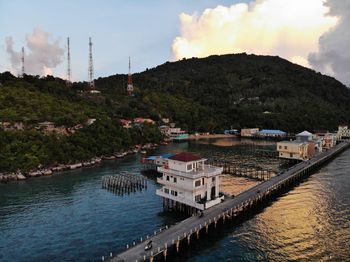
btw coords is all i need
(333, 56)
(42, 54)
(288, 28)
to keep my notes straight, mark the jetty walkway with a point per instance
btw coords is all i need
(189, 229)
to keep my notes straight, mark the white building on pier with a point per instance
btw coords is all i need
(189, 184)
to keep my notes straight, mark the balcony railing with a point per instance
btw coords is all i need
(181, 185)
(207, 171)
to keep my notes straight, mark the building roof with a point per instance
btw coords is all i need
(185, 157)
(167, 155)
(304, 133)
(271, 132)
(291, 142)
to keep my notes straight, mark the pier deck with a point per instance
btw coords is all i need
(183, 230)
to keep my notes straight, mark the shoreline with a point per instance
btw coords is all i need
(205, 136)
(7, 177)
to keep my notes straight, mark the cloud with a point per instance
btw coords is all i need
(287, 28)
(42, 54)
(333, 56)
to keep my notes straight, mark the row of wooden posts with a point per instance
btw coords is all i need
(175, 243)
(249, 172)
(124, 183)
(236, 211)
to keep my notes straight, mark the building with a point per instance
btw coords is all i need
(231, 132)
(90, 121)
(343, 132)
(166, 120)
(304, 136)
(5, 125)
(249, 132)
(297, 150)
(141, 120)
(164, 129)
(46, 126)
(152, 162)
(270, 133)
(328, 140)
(188, 183)
(176, 134)
(125, 123)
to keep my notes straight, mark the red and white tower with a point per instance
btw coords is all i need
(130, 87)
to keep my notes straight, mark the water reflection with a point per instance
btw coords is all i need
(309, 223)
(70, 217)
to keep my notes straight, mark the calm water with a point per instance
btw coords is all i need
(69, 217)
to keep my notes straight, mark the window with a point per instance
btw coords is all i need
(291, 154)
(280, 147)
(197, 183)
(213, 179)
(166, 191)
(189, 166)
(203, 181)
(197, 198)
(285, 147)
(167, 178)
(175, 180)
(175, 193)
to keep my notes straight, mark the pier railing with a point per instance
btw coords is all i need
(185, 231)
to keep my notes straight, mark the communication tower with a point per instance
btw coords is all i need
(91, 67)
(22, 60)
(130, 87)
(68, 63)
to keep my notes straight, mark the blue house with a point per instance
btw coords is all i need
(270, 133)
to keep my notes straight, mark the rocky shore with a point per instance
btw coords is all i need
(47, 171)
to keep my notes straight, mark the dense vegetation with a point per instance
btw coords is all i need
(32, 100)
(242, 91)
(28, 149)
(209, 94)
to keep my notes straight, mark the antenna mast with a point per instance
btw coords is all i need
(91, 67)
(22, 60)
(68, 63)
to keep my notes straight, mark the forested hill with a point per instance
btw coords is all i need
(240, 91)
(209, 94)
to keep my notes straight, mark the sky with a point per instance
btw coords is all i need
(312, 33)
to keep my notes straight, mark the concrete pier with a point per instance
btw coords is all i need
(189, 230)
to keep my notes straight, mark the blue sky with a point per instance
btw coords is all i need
(144, 30)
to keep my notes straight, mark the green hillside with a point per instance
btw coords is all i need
(209, 94)
(241, 91)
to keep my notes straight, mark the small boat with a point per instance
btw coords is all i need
(143, 152)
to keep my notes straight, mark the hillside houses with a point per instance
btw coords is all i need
(127, 123)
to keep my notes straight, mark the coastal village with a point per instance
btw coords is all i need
(175, 131)
(190, 185)
(299, 147)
